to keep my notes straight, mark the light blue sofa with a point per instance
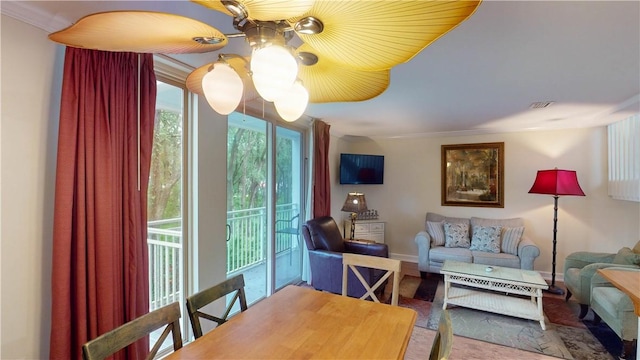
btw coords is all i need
(431, 257)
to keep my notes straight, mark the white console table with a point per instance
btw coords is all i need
(365, 229)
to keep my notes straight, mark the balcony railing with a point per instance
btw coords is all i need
(246, 247)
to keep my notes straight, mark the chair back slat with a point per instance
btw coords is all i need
(392, 266)
(205, 297)
(443, 341)
(117, 339)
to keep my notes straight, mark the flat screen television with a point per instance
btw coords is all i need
(361, 169)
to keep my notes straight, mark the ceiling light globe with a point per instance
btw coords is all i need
(274, 69)
(222, 87)
(292, 105)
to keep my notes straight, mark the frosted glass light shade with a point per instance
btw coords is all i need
(293, 102)
(274, 69)
(222, 87)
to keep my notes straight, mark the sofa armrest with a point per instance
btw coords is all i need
(597, 280)
(528, 251)
(588, 272)
(423, 240)
(581, 259)
(326, 270)
(366, 248)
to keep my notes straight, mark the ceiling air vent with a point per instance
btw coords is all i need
(541, 104)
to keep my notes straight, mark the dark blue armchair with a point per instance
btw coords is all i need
(326, 245)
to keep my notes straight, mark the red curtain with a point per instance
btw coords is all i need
(100, 257)
(321, 179)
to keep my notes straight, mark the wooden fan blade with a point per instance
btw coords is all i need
(264, 10)
(327, 81)
(194, 80)
(378, 34)
(139, 31)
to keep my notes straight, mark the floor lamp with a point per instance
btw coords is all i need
(354, 204)
(557, 183)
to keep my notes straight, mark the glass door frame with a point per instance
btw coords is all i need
(271, 137)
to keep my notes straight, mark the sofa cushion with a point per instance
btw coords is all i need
(510, 238)
(440, 254)
(610, 299)
(636, 249)
(435, 229)
(626, 256)
(325, 234)
(486, 238)
(506, 223)
(456, 235)
(453, 220)
(499, 259)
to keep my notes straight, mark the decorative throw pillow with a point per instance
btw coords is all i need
(456, 235)
(511, 239)
(626, 256)
(636, 249)
(435, 229)
(486, 238)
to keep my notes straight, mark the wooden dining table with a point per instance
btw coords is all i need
(629, 283)
(302, 323)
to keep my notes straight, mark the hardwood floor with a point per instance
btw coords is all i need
(465, 348)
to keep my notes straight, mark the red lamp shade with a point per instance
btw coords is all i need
(556, 182)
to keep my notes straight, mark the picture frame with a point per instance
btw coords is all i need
(473, 175)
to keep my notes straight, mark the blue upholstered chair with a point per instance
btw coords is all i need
(615, 308)
(326, 246)
(579, 268)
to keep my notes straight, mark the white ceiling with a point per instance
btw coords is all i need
(481, 77)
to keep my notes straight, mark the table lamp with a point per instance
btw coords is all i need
(354, 204)
(556, 182)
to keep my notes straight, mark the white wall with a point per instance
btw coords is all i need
(412, 187)
(210, 211)
(30, 108)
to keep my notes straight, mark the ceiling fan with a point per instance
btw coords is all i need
(348, 46)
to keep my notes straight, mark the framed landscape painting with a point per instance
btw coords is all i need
(473, 175)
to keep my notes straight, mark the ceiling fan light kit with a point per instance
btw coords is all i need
(222, 87)
(348, 47)
(273, 69)
(293, 102)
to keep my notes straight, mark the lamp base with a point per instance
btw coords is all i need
(354, 216)
(555, 290)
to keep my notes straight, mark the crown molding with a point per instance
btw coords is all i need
(29, 14)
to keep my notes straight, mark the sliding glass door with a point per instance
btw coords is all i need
(165, 230)
(288, 215)
(264, 192)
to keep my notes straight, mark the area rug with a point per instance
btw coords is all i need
(566, 337)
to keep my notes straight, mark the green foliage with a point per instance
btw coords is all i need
(165, 187)
(247, 169)
(284, 164)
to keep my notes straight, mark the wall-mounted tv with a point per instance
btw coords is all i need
(361, 169)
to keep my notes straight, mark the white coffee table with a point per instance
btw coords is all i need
(502, 282)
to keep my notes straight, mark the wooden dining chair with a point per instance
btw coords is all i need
(199, 300)
(443, 342)
(392, 266)
(117, 339)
